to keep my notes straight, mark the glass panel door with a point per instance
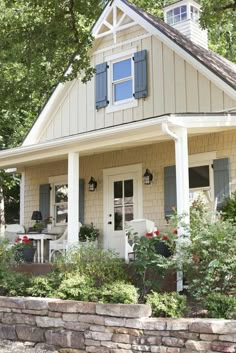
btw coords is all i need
(123, 196)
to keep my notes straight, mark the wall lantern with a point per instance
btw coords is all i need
(147, 177)
(92, 184)
(36, 216)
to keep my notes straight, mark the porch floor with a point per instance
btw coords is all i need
(33, 268)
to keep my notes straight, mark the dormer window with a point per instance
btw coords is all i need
(121, 80)
(177, 14)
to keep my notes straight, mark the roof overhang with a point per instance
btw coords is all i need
(128, 135)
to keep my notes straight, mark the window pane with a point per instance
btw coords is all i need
(128, 186)
(176, 10)
(122, 69)
(129, 213)
(118, 218)
(61, 193)
(199, 177)
(61, 214)
(123, 90)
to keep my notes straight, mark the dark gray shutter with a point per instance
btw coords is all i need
(170, 200)
(101, 86)
(44, 200)
(81, 201)
(221, 180)
(140, 74)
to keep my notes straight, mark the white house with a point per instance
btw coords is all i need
(158, 102)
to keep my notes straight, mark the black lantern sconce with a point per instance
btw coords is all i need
(36, 216)
(92, 184)
(147, 177)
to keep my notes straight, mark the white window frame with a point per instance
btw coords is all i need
(203, 159)
(125, 103)
(54, 181)
(173, 16)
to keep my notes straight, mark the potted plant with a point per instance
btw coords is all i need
(24, 249)
(48, 222)
(88, 233)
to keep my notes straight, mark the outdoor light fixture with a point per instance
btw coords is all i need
(92, 184)
(147, 177)
(37, 216)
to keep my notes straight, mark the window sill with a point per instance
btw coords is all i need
(118, 107)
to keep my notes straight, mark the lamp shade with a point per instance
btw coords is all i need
(37, 216)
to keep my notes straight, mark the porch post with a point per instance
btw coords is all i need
(22, 198)
(182, 191)
(73, 197)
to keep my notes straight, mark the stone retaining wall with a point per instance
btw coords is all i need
(76, 327)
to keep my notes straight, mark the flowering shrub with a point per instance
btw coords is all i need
(210, 258)
(22, 243)
(154, 254)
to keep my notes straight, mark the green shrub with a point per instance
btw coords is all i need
(45, 286)
(229, 208)
(220, 306)
(14, 284)
(167, 304)
(77, 287)
(101, 266)
(210, 260)
(120, 292)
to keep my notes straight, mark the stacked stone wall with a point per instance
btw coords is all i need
(42, 325)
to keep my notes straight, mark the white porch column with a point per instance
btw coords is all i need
(73, 198)
(22, 198)
(182, 190)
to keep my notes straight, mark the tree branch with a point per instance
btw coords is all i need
(231, 6)
(73, 21)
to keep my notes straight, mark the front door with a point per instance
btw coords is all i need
(123, 202)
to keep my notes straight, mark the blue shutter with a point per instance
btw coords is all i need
(221, 180)
(140, 74)
(81, 201)
(169, 190)
(44, 200)
(101, 86)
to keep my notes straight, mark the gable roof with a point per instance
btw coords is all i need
(217, 68)
(220, 66)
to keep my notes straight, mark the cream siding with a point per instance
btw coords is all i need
(154, 156)
(174, 86)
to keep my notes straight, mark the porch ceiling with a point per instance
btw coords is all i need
(117, 137)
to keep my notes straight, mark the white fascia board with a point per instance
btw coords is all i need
(101, 18)
(183, 53)
(203, 121)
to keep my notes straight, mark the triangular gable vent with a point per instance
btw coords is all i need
(114, 21)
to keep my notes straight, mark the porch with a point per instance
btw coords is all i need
(118, 154)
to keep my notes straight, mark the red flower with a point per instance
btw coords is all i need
(149, 234)
(175, 231)
(164, 237)
(17, 240)
(26, 240)
(25, 237)
(157, 232)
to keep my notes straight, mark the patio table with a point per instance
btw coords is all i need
(39, 238)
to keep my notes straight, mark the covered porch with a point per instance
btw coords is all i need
(119, 154)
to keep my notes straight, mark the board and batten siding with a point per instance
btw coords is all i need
(174, 86)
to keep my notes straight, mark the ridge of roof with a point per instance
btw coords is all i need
(223, 68)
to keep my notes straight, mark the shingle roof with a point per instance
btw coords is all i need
(220, 66)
